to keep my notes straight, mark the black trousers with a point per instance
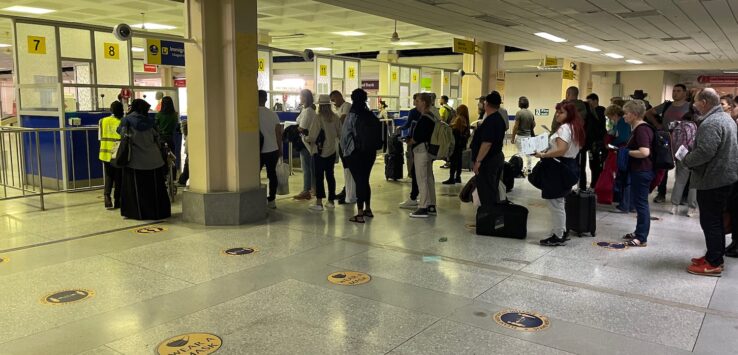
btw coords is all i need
(488, 180)
(455, 171)
(324, 171)
(113, 178)
(595, 166)
(360, 165)
(270, 161)
(664, 183)
(582, 158)
(733, 210)
(712, 203)
(185, 172)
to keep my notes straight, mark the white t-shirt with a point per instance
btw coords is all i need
(565, 134)
(305, 120)
(343, 110)
(267, 121)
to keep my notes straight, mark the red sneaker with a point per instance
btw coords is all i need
(701, 260)
(705, 269)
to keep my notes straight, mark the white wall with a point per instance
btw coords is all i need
(543, 90)
(650, 81)
(602, 86)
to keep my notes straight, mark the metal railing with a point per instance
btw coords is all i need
(32, 163)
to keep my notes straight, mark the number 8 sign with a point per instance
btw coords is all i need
(111, 50)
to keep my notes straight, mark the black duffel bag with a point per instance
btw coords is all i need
(506, 220)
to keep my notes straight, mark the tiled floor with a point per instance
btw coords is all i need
(426, 296)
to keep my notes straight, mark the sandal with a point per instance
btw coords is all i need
(368, 213)
(357, 219)
(635, 243)
(629, 236)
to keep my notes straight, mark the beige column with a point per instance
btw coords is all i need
(167, 76)
(585, 79)
(485, 73)
(223, 122)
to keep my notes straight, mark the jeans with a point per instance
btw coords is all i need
(640, 182)
(361, 165)
(712, 203)
(622, 181)
(558, 216)
(455, 171)
(423, 163)
(680, 183)
(113, 177)
(270, 161)
(488, 180)
(308, 170)
(324, 170)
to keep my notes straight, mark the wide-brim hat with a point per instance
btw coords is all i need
(639, 95)
(324, 100)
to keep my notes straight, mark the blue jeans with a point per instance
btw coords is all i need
(308, 170)
(640, 183)
(622, 191)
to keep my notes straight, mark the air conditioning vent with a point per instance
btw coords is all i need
(698, 53)
(496, 20)
(671, 39)
(638, 14)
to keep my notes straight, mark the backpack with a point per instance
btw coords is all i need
(442, 140)
(660, 118)
(370, 138)
(661, 155)
(450, 113)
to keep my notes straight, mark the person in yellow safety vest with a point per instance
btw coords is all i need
(107, 135)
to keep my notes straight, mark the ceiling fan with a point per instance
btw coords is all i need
(396, 37)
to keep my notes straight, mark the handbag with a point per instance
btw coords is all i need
(283, 178)
(121, 152)
(466, 193)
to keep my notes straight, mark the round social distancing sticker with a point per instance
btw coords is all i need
(150, 230)
(523, 321)
(239, 251)
(67, 296)
(611, 245)
(349, 278)
(190, 343)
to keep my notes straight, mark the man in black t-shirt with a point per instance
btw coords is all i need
(486, 149)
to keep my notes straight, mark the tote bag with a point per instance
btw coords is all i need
(283, 178)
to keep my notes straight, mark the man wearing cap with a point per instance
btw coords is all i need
(662, 117)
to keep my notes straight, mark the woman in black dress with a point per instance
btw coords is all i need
(144, 192)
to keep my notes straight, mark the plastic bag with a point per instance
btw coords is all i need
(283, 177)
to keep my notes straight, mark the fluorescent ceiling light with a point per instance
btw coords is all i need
(634, 61)
(5, 45)
(588, 48)
(137, 49)
(614, 55)
(28, 10)
(730, 72)
(349, 33)
(321, 49)
(550, 37)
(405, 43)
(153, 26)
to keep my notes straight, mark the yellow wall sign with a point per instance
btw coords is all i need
(262, 65)
(36, 45)
(568, 74)
(349, 278)
(445, 79)
(351, 73)
(323, 70)
(394, 76)
(415, 77)
(4, 259)
(191, 343)
(111, 50)
(552, 61)
(153, 51)
(463, 46)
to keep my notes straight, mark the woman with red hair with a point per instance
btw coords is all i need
(564, 146)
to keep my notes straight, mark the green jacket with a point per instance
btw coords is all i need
(167, 123)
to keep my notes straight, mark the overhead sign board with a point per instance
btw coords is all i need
(463, 46)
(568, 74)
(165, 52)
(551, 61)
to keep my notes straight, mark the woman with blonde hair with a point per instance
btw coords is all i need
(324, 134)
(460, 127)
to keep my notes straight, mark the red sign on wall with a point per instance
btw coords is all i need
(150, 68)
(718, 79)
(180, 83)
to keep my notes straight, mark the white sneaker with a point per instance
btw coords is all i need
(330, 204)
(409, 204)
(316, 208)
(691, 212)
(272, 204)
(675, 210)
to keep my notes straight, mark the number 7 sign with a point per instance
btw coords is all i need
(36, 45)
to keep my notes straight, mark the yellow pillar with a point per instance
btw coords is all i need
(223, 121)
(485, 73)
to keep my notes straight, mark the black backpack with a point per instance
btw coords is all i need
(367, 132)
(661, 155)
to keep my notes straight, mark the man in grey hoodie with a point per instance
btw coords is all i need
(714, 167)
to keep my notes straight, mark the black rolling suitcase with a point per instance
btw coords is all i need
(581, 212)
(508, 176)
(506, 220)
(393, 167)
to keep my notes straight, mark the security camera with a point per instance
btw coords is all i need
(573, 66)
(461, 72)
(123, 32)
(308, 55)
